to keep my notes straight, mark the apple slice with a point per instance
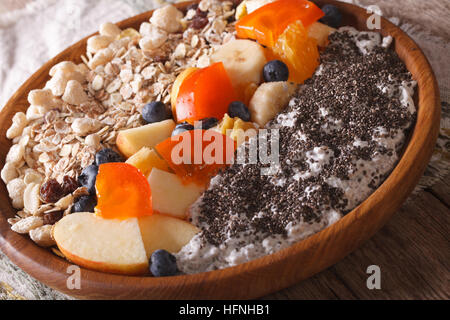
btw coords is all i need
(107, 245)
(164, 232)
(131, 141)
(170, 195)
(146, 159)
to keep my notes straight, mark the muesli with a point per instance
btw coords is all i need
(106, 165)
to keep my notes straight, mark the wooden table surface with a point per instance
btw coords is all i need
(412, 251)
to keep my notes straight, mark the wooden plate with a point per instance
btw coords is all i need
(265, 275)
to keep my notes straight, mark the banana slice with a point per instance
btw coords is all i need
(269, 99)
(243, 60)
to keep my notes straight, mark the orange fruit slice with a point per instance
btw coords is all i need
(123, 192)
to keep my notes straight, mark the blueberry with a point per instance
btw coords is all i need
(275, 70)
(240, 110)
(106, 156)
(208, 123)
(155, 112)
(163, 264)
(333, 16)
(88, 177)
(182, 127)
(85, 204)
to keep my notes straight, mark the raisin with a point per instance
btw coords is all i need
(199, 22)
(69, 185)
(52, 217)
(51, 191)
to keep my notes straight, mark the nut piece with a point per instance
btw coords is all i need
(31, 198)
(167, 18)
(9, 172)
(110, 29)
(24, 226)
(97, 43)
(42, 236)
(75, 93)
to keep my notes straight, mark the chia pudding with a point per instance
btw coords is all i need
(340, 136)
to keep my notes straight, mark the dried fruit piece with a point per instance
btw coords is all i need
(122, 192)
(298, 51)
(51, 191)
(69, 185)
(199, 22)
(268, 22)
(52, 217)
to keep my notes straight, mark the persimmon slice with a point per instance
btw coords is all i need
(123, 192)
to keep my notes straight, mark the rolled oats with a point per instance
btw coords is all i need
(167, 18)
(114, 86)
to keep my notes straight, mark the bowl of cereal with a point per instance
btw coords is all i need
(141, 153)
